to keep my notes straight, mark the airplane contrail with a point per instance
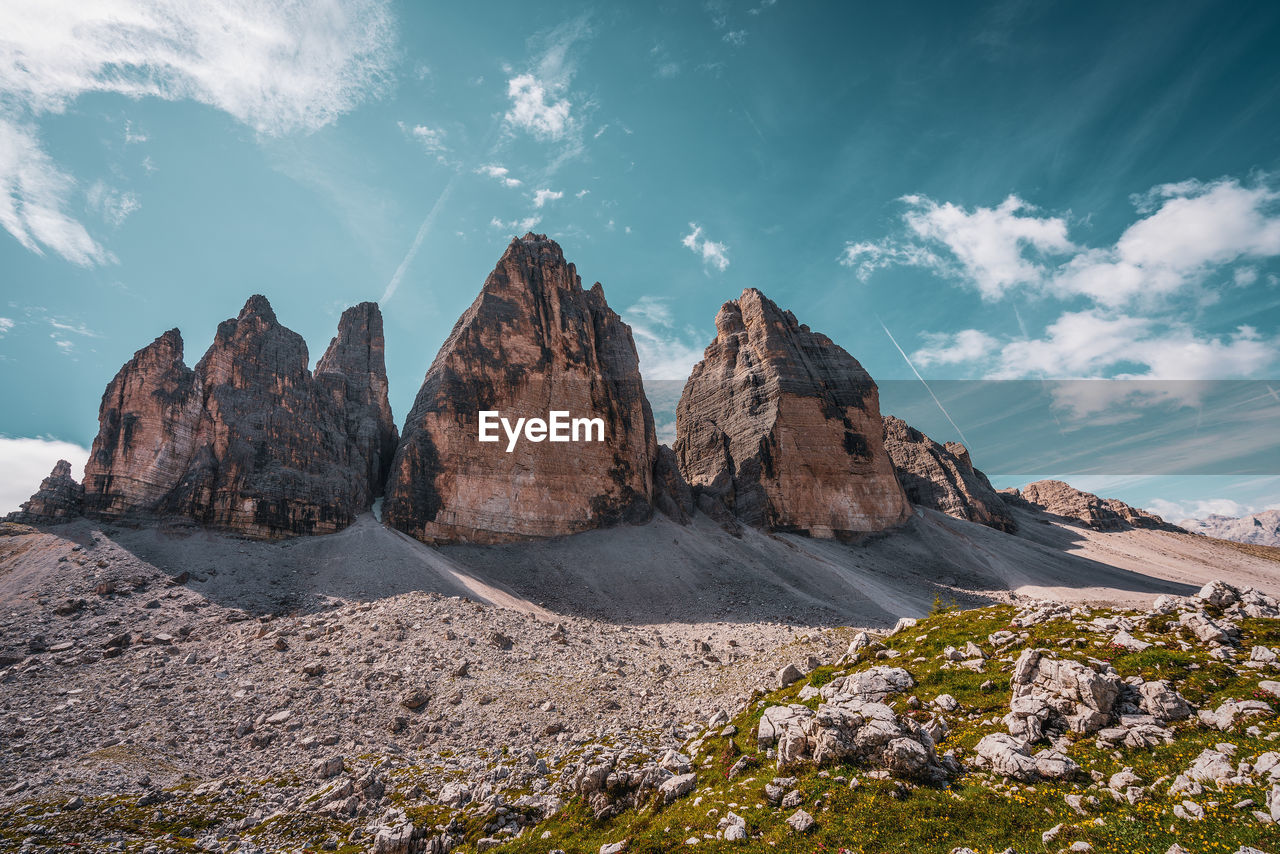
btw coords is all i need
(941, 408)
(427, 223)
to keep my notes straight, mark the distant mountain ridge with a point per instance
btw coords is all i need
(1260, 529)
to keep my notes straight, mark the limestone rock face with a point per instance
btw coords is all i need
(943, 477)
(353, 371)
(1101, 514)
(783, 426)
(146, 431)
(58, 499)
(249, 440)
(532, 342)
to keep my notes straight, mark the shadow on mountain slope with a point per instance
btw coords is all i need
(663, 572)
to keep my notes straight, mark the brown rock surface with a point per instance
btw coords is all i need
(58, 499)
(354, 372)
(249, 440)
(533, 341)
(943, 477)
(1101, 514)
(783, 426)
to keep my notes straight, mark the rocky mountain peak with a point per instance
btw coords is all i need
(59, 499)
(783, 427)
(942, 477)
(1101, 514)
(249, 440)
(532, 341)
(258, 306)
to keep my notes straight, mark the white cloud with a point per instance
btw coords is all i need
(112, 205)
(1194, 229)
(5, 325)
(867, 257)
(541, 197)
(737, 38)
(1095, 343)
(996, 248)
(276, 67)
(531, 109)
(500, 173)
(1131, 328)
(581, 193)
(713, 253)
(967, 345)
(541, 102)
(34, 194)
(1186, 231)
(26, 462)
(1175, 511)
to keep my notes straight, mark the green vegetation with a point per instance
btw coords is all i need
(976, 810)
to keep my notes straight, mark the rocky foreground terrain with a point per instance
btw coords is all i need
(139, 713)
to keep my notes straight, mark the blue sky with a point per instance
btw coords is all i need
(1021, 191)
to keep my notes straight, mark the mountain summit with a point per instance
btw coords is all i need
(249, 441)
(783, 426)
(534, 341)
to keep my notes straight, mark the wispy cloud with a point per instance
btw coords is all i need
(114, 206)
(500, 173)
(6, 324)
(431, 139)
(274, 67)
(34, 196)
(517, 225)
(542, 103)
(74, 328)
(713, 254)
(666, 353)
(131, 136)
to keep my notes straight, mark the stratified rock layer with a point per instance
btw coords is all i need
(943, 477)
(249, 440)
(59, 499)
(783, 426)
(532, 342)
(1101, 514)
